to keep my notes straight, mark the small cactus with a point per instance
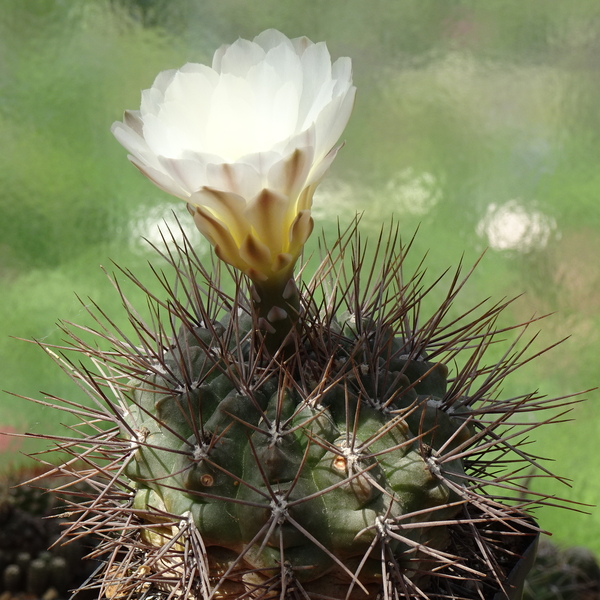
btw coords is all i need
(29, 524)
(563, 574)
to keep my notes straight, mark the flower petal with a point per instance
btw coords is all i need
(267, 214)
(240, 57)
(306, 197)
(159, 178)
(320, 169)
(300, 231)
(218, 57)
(187, 173)
(262, 162)
(271, 38)
(318, 85)
(219, 236)
(162, 139)
(239, 177)
(256, 254)
(342, 73)
(229, 130)
(332, 121)
(134, 143)
(225, 206)
(301, 44)
(153, 97)
(133, 119)
(289, 176)
(283, 261)
(187, 104)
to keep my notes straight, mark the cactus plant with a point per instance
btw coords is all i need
(364, 461)
(563, 573)
(28, 527)
(316, 439)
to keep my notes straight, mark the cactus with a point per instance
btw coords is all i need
(563, 574)
(290, 439)
(309, 475)
(28, 526)
(370, 455)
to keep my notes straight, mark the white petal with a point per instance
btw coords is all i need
(284, 116)
(331, 122)
(160, 179)
(204, 158)
(230, 131)
(189, 174)
(128, 137)
(135, 144)
(151, 102)
(301, 44)
(308, 113)
(275, 106)
(287, 65)
(240, 57)
(200, 69)
(241, 178)
(316, 63)
(218, 57)
(163, 79)
(262, 163)
(289, 176)
(186, 107)
(162, 139)
(304, 139)
(318, 85)
(132, 118)
(320, 168)
(153, 97)
(342, 74)
(271, 38)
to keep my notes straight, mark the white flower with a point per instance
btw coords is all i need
(245, 143)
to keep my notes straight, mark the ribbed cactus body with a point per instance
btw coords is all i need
(370, 455)
(310, 477)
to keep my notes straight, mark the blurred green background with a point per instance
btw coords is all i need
(477, 121)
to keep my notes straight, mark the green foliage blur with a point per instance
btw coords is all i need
(478, 122)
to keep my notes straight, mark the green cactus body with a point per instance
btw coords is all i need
(370, 456)
(310, 478)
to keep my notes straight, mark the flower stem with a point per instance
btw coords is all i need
(276, 303)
